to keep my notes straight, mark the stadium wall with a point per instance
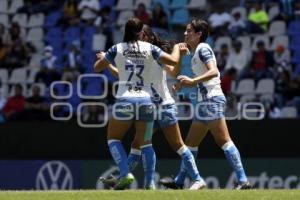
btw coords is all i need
(66, 140)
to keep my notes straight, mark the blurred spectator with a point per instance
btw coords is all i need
(35, 6)
(4, 36)
(281, 54)
(94, 115)
(237, 25)
(89, 10)
(15, 104)
(15, 33)
(3, 54)
(219, 21)
(17, 56)
(297, 10)
(227, 79)
(36, 106)
(142, 14)
(48, 72)
(238, 58)
(73, 63)
(222, 57)
(258, 20)
(105, 24)
(262, 60)
(159, 17)
(70, 15)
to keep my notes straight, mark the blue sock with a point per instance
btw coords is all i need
(119, 155)
(233, 156)
(188, 165)
(134, 158)
(183, 173)
(149, 161)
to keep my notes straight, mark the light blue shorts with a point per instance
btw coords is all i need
(210, 109)
(166, 116)
(138, 108)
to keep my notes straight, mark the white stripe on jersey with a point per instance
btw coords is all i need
(202, 56)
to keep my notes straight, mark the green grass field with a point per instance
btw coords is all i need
(151, 195)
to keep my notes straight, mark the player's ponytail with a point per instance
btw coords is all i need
(154, 39)
(133, 28)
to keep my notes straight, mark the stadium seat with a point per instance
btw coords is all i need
(15, 5)
(52, 19)
(273, 12)
(3, 76)
(295, 43)
(296, 58)
(53, 34)
(4, 90)
(35, 34)
(294, 28)
(99, 42)
(35, 60)
(280, 40)
(277, 28)
(246, 42)
(18, 75)
(36, 20)
(4, 20)
(177, 4)
(247, 98)
(124, 5)
(21, 19)
(245, 86)
(180, 17)
(39, 45)
(264, 38)
(266, 98)
(123, 17)
(197, 4)
(222, 40)
(288, 112)
(71, 34)
(265, 86)
(241, 10)
(109, 3)
(4, 6)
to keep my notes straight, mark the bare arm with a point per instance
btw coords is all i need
(113, 70)
(171, 59)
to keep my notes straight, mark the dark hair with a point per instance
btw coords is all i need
(132, 29)
(154, 39)
(200, 25)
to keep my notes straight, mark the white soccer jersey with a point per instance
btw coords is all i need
(135, 64)
(160, 85)
(202, 56)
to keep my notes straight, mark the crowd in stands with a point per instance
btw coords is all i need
(257, 47)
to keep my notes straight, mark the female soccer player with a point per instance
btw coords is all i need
(166, 118)
(210, 104)
(134, 61)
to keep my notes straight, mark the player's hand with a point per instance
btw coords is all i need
(186, 81)
(100, 55)
(183, 48)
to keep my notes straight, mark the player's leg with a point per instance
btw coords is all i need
(115, 132)
(221, 135)
(144, 131)
(135, 154)
(195, 136)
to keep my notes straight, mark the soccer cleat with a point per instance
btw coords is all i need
(150, 187)
(243, 186)
(197, 185)
(109, 182)
(170, 183)
(124, 182)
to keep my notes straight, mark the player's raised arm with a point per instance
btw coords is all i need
(174, 70)
(170, 59)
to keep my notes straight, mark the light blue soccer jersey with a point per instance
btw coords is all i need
(135, 64)
(212, 87)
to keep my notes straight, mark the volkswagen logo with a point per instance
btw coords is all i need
(54, 175)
